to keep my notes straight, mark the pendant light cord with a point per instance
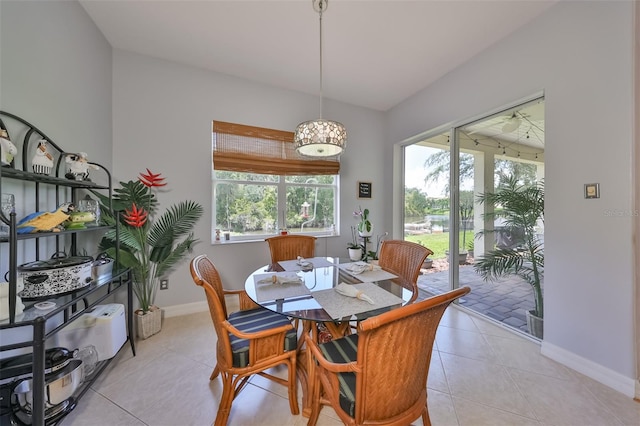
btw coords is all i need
(321, 7)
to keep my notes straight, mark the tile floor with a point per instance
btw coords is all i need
(481, 374)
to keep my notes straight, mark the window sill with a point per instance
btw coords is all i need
(261, 240)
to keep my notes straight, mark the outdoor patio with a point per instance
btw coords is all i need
(505, 300)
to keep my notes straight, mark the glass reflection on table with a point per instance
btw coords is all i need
(321, 278)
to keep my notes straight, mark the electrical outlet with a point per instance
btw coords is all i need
(164, 284)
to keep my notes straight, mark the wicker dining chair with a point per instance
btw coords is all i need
(288, 247)
(379, 375)
(249, 342)
(405, 259)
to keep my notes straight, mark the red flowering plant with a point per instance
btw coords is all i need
(149, 244)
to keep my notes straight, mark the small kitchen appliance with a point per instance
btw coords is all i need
(103, 327)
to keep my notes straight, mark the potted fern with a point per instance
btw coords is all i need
(151, 245)
(521, 207)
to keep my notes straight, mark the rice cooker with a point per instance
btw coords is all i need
(63, 376)
(56, 276)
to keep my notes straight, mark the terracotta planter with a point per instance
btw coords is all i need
(149, 323)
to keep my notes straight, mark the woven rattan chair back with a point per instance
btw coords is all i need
(205, 274)
(249, 341)
(288, 247)
(405, 259)
(392, 365)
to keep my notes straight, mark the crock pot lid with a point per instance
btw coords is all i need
(40, 265)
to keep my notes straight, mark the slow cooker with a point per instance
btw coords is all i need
(56, 276)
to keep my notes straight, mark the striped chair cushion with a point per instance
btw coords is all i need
(341, 351)
(252, 321)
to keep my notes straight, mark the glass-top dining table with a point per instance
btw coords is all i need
(306, 290)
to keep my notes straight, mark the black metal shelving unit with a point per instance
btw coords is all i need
(45, 324)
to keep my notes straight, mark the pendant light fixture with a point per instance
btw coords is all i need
(320, 138)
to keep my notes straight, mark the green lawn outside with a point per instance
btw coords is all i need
(438, 243)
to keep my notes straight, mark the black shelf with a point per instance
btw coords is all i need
(34, 326)
(54, 234)
(11, 173)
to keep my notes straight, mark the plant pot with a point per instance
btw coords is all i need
(462, 257)
(427, 264)
(366, 233)
(149, 323)
(535, 325)
(355, 254)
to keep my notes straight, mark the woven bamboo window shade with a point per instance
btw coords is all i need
(249, 149)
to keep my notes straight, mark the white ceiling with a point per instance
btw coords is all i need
(376, 53)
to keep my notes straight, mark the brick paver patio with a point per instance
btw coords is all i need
(505, 300)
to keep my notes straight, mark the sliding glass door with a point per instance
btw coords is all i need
(427, 206)
(460, 198)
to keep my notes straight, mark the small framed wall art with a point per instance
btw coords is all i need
(364, 189)
(591, 190)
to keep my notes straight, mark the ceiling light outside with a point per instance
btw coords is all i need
(320, 138)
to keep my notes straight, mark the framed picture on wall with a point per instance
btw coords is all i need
(364, 189)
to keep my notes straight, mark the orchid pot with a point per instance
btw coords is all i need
(355, 254)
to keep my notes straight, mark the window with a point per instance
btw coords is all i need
(261, 185)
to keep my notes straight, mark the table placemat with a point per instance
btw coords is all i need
(272, 291)
(368, 276)
(292, 265)
(339, 306)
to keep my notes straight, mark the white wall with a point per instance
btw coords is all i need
(55, 72)
(162, 121)
(580, 54)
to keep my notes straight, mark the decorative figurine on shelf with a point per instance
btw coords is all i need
(42, 161)
(7, 148)
(45, 221)
(78, 166)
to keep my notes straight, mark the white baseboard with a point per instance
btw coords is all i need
(597, 372)
(185, 309)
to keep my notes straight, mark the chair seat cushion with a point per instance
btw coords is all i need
(342, 351)
(252, 321)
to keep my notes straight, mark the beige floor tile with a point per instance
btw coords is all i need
(562, 402)
(480, 374)
(474, 414)
(271, 386)
(437, 379)
(493, 329)
(95, 410)
(441, 411)
(485, 383)
(623, 407)
(171, 389)
(256, 406)
(525, 355)
(455, 318)
(125, 364)
(465, 343)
